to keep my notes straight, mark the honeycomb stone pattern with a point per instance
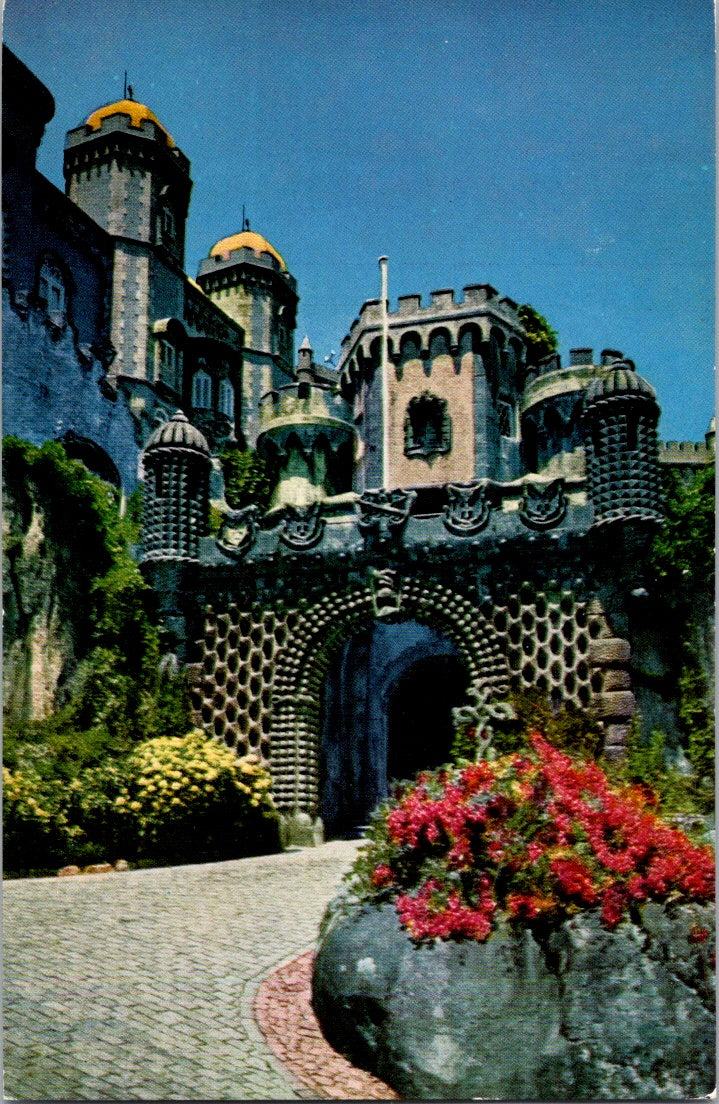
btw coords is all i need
(625, 481)
(261, 674)
(260, 679)
(547, 643)
(233, 695)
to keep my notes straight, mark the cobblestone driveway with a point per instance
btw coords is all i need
(140, 985)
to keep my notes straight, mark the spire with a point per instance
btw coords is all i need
(306, 344)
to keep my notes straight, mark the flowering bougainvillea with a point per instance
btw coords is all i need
(535, 836)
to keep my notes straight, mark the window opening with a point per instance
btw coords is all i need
(427, 426)
(202, 391)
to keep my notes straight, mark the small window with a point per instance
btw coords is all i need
(202, 391)
(505, 414)
(169, 364)
(227, 398)
(167, 224)
(427, 426)
(51, 288)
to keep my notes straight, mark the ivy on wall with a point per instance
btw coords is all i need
(66, 549)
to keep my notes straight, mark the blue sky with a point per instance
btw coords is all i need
(561, 150)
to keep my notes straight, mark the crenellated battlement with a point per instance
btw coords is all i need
(479, 305)
(686, 454)
(303, 402)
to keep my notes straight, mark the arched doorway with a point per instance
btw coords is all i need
(387, 713)
(419, 715)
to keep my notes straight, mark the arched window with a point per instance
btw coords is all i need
(227, 398)
(427, 426)
(202, 391)
(51, 288)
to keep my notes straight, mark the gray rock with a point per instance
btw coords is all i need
(586, 1014)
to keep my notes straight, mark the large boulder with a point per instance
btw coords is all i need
(580, 1013)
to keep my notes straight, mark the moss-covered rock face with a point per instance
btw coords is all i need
(581, 1014)
(55, 545)
(79, 634)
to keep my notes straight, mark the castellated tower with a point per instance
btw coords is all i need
(246, 276)
(123, 168)
(455, 377)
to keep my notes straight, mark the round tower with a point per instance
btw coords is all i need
(247, 277)
(306, 433)
(620, 419)
(176, 462)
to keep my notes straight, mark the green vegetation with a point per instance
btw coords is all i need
(248, 479)
(541, 339)
(683, 564)
(170, 799)
(78, 783)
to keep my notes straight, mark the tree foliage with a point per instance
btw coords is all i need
(541, 339)
(248, 479)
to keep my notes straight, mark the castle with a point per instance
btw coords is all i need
(447, 515)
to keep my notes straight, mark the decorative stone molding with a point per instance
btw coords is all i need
(468, 510)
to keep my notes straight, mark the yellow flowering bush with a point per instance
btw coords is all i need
(36, 831)
(191, 798)
(170, 799)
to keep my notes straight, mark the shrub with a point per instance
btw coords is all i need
(536, 836)
(36, 832)
(190, 799)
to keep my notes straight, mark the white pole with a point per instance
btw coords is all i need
(384, 368)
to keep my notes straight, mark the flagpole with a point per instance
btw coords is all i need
(384, 368)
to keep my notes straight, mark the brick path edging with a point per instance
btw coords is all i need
(284, 1015)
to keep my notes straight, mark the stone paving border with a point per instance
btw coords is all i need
(283, 1011)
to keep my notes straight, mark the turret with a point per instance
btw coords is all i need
(246, 276)
(620, 421)
(306, 433)
(176, 463)
(123, 168)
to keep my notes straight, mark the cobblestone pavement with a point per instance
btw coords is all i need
(140, 985)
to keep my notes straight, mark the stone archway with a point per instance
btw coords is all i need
(328, 624)
(387, 706)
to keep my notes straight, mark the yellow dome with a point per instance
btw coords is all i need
(248, 239)
(135, 110)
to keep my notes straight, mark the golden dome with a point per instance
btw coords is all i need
(248, 239)
(135, 110)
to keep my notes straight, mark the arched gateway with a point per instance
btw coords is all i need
(303, 664)
(260, 683)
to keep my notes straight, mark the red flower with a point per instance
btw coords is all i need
(382, 875)
(698, 935)
(574, 879)
(614, 901)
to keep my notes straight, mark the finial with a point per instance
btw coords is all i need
(245, 221)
